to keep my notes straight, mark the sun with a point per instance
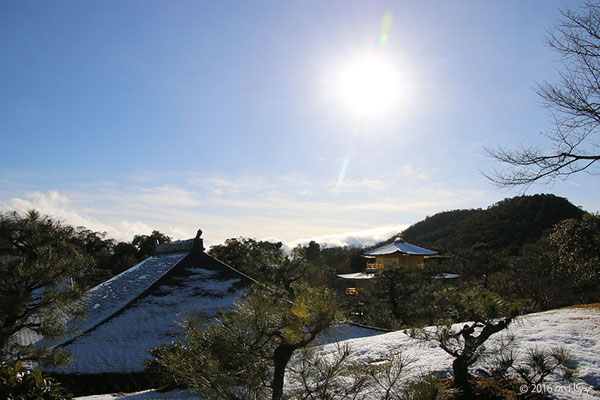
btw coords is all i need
(368, 86)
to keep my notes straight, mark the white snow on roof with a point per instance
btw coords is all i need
(445, 275)
(357, 275)
(400, 247)
(121, 343)
(111, 296)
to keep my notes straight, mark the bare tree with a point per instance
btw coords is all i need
(574, 103)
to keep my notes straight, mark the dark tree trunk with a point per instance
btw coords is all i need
(393, 299)
(283, 353)
(460, 369)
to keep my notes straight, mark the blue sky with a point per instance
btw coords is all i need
(128, 116)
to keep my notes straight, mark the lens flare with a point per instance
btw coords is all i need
(342, 173)
(386, 25)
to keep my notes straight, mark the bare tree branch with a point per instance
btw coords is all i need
(574, 103)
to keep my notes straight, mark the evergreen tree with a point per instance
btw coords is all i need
(40, 267)
(576, 243)
(488, 314)
(244, 353)
(399, 286)
(145, 244)
(264, 261)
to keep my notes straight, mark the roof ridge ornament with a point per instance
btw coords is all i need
(198, 246)
(399, 238)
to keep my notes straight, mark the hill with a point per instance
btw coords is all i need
(508, 224)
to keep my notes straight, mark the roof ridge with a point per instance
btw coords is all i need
(174, 247)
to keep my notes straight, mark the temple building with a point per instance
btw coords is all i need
(398, 253)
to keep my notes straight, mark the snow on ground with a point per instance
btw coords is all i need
(577, 329)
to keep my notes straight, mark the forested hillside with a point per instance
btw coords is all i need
(508, 224)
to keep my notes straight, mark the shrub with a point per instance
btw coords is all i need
(19, 383)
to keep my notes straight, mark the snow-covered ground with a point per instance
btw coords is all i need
(577, 329)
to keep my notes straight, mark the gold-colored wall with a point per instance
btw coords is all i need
(399, 259)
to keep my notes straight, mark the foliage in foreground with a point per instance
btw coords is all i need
(336, 376)
(488, 314)
(525, 373)
(37, 291)
(244, 353)
(45, 267)
(18, 383)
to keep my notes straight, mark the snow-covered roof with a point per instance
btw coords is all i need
(106, 299)
(445, 275)
(400, 247)
(138, 309)
(357, 275)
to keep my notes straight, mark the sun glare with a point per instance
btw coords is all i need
(368, 87)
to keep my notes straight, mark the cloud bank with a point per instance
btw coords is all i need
(287, 207)
(363, 238)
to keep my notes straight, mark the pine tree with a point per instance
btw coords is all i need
(40, 264)
(244, 353)
(488, 314)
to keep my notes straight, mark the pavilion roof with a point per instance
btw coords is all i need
(400, 247)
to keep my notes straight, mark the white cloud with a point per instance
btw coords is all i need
(363, 238)
(58, 206)
(362, 185)
(410, 172)
(61, 207)
(168, 196)
(287, 206)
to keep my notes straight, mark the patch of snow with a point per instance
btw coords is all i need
(445, 275)
(576, 329)
(144, 395)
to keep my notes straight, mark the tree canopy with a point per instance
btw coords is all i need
(511, 222)
(245, 352)
(41, 264)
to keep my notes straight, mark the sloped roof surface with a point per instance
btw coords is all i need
(400, 247)
(106, 299)
(121, 342)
